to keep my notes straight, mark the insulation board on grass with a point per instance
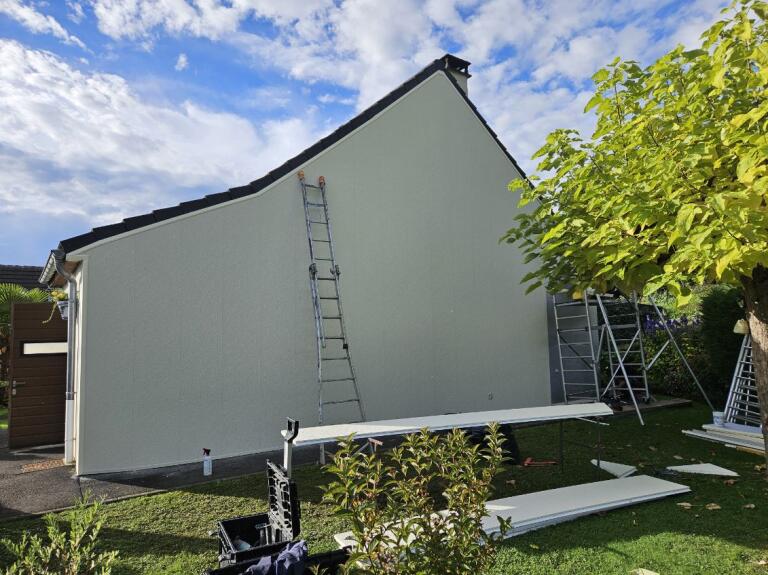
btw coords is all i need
(544, 508)
(535, 510)
(704, 469)
(615, 469)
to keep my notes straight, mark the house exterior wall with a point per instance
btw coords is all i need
(199, 331)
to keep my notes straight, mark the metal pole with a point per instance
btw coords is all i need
(618, 356)
(680, 352)
(289, 435)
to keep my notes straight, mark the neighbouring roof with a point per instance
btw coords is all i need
(25, 276)
(442, 65)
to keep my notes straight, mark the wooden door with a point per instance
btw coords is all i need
(37, 376)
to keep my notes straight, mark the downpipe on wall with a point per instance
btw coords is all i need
(69, 417)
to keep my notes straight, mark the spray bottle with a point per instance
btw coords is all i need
(207, 462)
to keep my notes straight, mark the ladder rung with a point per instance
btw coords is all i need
(328, 297)
(568, 303)
(331, 317)
(313, 204)
(340, 401)
(339, 379)
(582, 370)
(318, 222)
(320, 241)
(559, 318)
(323, 259)
(326, 279)
(333, 358)
(334, 337)
(572, 329)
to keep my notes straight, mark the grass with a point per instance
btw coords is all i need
(3, 417)
(167, 533)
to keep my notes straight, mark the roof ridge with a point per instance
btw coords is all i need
(20, 267)
(128, 224)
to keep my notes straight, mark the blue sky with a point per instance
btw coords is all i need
(110, 108)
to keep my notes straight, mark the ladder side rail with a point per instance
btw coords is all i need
(615, 346)
(559, 351)
(595, 365)
(679, 351)
(643, 366)
(312, 267)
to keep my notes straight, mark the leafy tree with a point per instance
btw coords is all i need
(670, 191)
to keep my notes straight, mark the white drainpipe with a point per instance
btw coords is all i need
(69, 418)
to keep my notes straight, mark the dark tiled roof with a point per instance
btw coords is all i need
(25, 276)
(440, 65)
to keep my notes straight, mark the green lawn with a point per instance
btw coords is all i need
(3, 417)
(167, 533)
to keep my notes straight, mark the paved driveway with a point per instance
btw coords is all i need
(35, 481)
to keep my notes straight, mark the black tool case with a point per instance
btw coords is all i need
(255, 536)
(327, 563)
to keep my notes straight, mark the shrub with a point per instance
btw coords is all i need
(704, 331)
(394, 502)
(66, 552)
(668, 376)
(720, 309)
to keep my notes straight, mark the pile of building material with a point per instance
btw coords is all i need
(731, 435)
(544, 508)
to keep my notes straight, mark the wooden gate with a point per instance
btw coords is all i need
(37, 376)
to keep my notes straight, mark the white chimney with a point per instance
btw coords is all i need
(458, 69)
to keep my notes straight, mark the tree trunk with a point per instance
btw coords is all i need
(756, 299)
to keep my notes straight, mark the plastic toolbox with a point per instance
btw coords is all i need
(255, 536)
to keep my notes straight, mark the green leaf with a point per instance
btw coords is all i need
(593, 101)
(601, 76)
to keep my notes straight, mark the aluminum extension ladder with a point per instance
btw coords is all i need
(743, 406)
(334, 363)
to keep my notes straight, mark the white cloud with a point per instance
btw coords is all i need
(181, 62)
(532, 61)
(87, 144)
(37, 22)
(75, 11)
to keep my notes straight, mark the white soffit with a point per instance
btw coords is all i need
(331, 433)
(536, 510)
(616, 469)
(704, 469)
(543, 508)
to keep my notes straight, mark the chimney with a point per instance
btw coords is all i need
(459, 69)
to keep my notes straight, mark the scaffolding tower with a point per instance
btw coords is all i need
(601, 350)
